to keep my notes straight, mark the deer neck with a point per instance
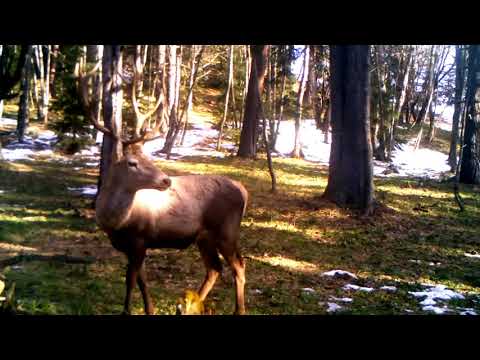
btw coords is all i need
(113, 207)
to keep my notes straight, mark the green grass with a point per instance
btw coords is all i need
(288, 240)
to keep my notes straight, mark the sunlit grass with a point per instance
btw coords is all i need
(288, 238)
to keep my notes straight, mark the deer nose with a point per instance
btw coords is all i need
(167, 182)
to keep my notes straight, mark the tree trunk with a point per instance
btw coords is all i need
(190, 96)
(227, 95)
(23, 110)
(431, 128)
(112, 101)
(53, 69)
(297, 148)
(280, 110)
(350, 179)
(46, 83)
(160, 123)
(459, 89)
(138, 63)
(380, 153)
(470, 162)
(245, 85)
(249, 134)
(172, 101)
(94, 55)
(399, 104)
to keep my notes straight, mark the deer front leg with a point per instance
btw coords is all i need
(135, 262)
(142, 284)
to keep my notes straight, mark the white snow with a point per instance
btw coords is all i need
(344, 299)
(339, 272)
(419, 163)
(257, 291)
(85, 190)
(437, 310)
(388, 288)
(356, 287)
(472, 255)
(41, 145)
(7, 121)
(468, 311)
(332, 307)
(432, 294)
(308, 290)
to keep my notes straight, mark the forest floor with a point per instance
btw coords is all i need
(418, 254)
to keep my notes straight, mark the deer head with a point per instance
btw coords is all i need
(136, 172)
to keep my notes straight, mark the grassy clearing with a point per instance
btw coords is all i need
(288, 238)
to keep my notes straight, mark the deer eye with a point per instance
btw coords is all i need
(132, 163)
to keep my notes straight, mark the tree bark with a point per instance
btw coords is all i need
(280, 110)
(459, 89)
(350, 179)
(112, 101)
(380, 153)
(297, 148)
(249, 134)
(160, 123)
(470, 162)
(23, 110)
(53, 69)
(227, 95)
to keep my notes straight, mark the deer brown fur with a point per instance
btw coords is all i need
(140, 208)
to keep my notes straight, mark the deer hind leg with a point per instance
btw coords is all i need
(134, 268)
(212, 263)
(228, 249)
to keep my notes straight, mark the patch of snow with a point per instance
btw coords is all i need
(332, 307)
(437, 310)
(356, 287)
(388, 288)
(344, 299)
(433, 294)
(339, 272)
(415, 261)
(308, 290)
(86, 190)
(408, 310)
(257, 291)
(7, 121)
(472, 255)
(2, 191)
(17, 154)
(406, 160)
(468, 311)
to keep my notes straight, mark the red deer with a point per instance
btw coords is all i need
(140, 207)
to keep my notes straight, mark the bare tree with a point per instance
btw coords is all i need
(350, 178)
(297, 149)
(459, 90)
(22, 121)
(227, 95)
(470, 159)
(249, 134)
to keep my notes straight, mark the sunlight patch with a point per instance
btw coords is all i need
(7, 247)
(287, 263)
